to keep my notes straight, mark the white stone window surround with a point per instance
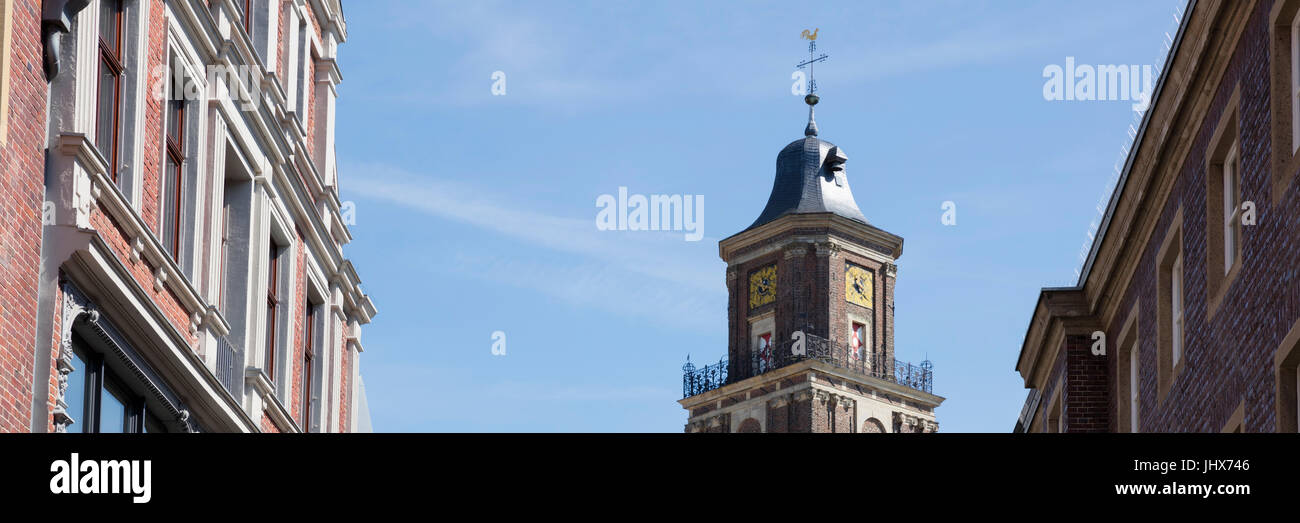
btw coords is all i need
(194, 181)
(83, 51)
(869, 344)
(318, 296)
(278, 234)
(762, 324)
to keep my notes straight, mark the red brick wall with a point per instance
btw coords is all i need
(280, 48)
(1087, 393)
(22, 189)
(152, 132)
(345, 385)
(309, 112)
(300, 344)
(1230, 358)
(810, 290)
(143, 273)
(268, 425)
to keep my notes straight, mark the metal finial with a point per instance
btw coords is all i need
(811, 99)
(811, 130)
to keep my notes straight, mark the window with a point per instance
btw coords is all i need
(98, 399)
(1295, 82)
(764, 351)
(762, 354)
(1128, 377)
(1287, 388)
(109, 101)
(1223, 204)
(1176, 308)
(1171, 307)
(272, 307)
(173, 171)
(1133, 408)
(224, 255)
(1231, 208)
(861, 341)
(308, 354)
(1053, 422)
(246, 12)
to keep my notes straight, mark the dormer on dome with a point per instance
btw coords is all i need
(810, 178)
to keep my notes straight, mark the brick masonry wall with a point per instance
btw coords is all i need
(345, 384)
(1227, 360)
(810, 291)
(1086, 400)
(151, 134)
(297, 317)
(22, 189)
(309, 112)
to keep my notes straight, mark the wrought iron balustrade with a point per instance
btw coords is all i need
(871, 363)
(230, 363)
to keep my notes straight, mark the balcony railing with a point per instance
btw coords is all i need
(230, 364)
(709, 377)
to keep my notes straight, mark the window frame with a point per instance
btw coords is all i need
(1294, 93)
(308, 363)
(1231, 206)
(173, 172)
(98, 379)
(110, 57)
(1135, 388)
(1128, 379)
(1177, 310)
(1171, 256)
(247, 16)
(272, 309)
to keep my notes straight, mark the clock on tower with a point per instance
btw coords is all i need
(810, 314)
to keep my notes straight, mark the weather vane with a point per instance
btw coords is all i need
(812, 60)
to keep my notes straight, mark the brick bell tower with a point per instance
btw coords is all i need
(810, 345)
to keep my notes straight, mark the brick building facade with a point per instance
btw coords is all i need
(810, 315)
(1187, 315)
(169, 219)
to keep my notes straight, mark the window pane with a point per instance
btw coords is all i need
(75, 396)
(175, 115)
(108, 26)
(171, 203)
(112, 416)
(107, 116)
(152, 424)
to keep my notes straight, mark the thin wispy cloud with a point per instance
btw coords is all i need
(554, 61)
(653, 274)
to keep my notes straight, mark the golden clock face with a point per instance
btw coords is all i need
(762, 286)
(859, 285)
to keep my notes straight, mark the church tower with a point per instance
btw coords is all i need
(810, 345)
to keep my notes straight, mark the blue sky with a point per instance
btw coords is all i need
(476, 213)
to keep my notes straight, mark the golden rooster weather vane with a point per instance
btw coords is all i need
(812, 48)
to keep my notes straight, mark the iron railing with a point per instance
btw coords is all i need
(229, 363)
(709, 377)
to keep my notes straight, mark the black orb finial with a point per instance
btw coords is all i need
(811, 99)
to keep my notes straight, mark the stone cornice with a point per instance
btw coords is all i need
(145, 246)
(838, 230)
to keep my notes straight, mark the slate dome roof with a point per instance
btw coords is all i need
(810, 178)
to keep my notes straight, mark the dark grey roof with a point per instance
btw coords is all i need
(810, 179)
